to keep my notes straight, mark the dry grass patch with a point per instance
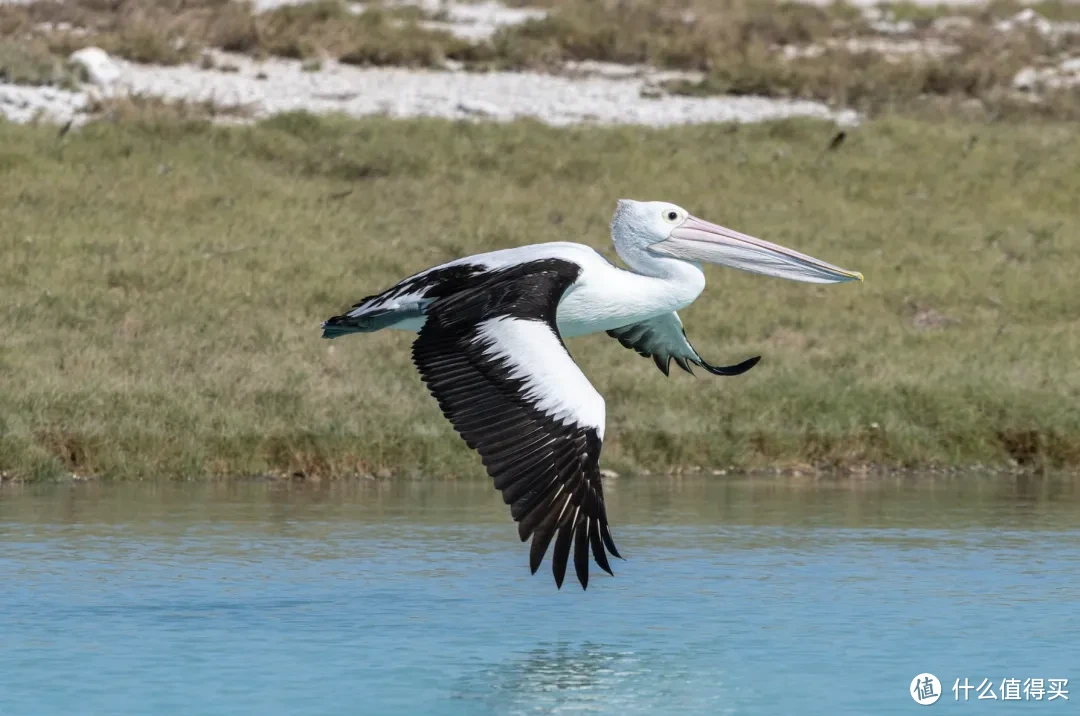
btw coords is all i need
(761, 47)
(173, 31)
(163, 32)
(923, 15)
(797, 50)
(31, 62)
(136, 109)
(978, 69)
(376, 37)
(691, 35)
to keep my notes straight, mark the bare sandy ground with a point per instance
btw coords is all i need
(587, 93)
(597, 94)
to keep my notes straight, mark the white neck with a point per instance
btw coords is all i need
(660, 284)
(680, 275)
(655, 286)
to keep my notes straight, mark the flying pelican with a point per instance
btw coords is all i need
(490, 350)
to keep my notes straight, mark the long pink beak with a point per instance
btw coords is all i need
(698, 240)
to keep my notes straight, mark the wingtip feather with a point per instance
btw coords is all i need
(598, 547)
(581, 551)
(561, 554)
(605, 533)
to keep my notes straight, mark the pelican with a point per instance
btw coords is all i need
(490, 349)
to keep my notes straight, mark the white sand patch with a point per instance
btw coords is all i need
(474, 21)
(1063, 76)
(888, 47)
(279, 85)
(1028, 18)
(22, 104)
(612, 70)
(410, 93)
(265, 5)
(477, 21)
(952, 24)
(921, 3)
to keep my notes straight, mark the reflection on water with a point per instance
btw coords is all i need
(926, 501)
(597, 678)
(740, 596)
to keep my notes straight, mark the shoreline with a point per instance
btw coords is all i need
(859, 474)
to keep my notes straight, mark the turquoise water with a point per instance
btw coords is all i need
(747, 597)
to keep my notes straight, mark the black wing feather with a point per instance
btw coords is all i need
(561, 554)
(581, 550)
(547, 469)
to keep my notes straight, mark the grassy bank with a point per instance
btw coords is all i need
(162, 284)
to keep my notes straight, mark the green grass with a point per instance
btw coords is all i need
(162, 284)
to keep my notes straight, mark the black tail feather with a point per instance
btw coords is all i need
(340, 326)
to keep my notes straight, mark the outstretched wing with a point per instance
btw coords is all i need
(662, 338)
(493, 358)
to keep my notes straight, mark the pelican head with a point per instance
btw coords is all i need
(664, 229)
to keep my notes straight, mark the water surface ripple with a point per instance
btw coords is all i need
(739, 596)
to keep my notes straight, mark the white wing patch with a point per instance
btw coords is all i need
(553, 382)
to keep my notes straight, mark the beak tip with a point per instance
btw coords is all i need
(858, 276)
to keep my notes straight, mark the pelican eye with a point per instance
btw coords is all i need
(672, 216)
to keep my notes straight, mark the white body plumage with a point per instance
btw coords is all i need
(602, 298)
